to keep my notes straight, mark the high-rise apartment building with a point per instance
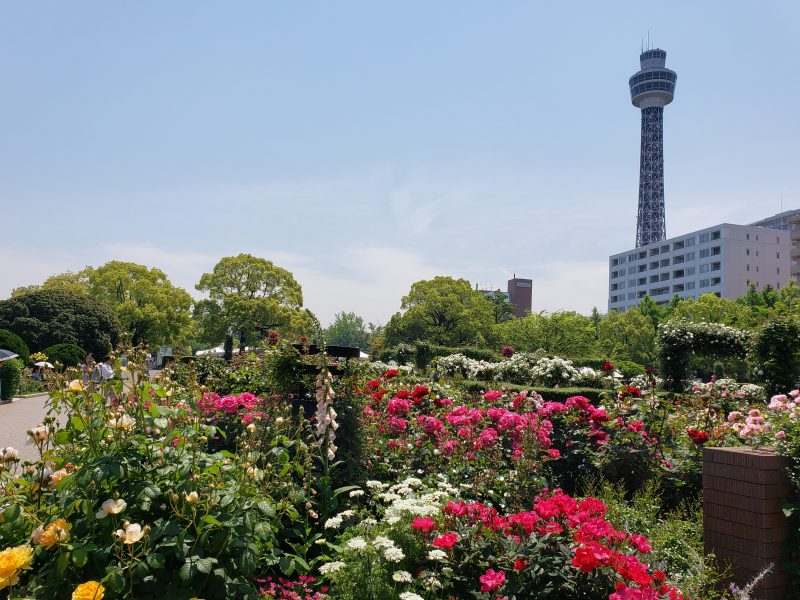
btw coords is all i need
(723, 260)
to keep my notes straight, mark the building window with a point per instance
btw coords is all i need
(748, 267)
(614, 287)
(677, 245)
(653, 265)
(715, 235)
(613, 274)
(614, 262)
(642, 254)
(690, 256)
(704, 268)
(653, 251)
(715, 266)
(716, 280)
(664, 262)
(631, 257)
(641, 294)
(631, 270)
(642, 268)
(703, 238)
(690, 241)
(704, 253)
(748, 237)
(677, 274)
(779, 270)
(622, 285)
(653, 278)
(703, 283)
(689, 271)
(664, 277)
(756, 268)
(748, 251)
(676, 260)
(641, 281)
(690, 285)
(622, 260)
(716, 250)
(665, 249)
(677, 288)
(777, 255)
(631, 282)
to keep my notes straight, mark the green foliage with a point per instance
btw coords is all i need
(777, 354)
(629, 336)
(52, 316)
(422, 353)
(249, 296)
(629, 369)
(549, 394)
(68, 355)
(348, 329)
(564, 333)
(11, 341)
(11, 373)
(442, 311)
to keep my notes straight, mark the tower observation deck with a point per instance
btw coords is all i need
(652, 88)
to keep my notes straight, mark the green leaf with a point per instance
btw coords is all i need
(11, 513)
(286, 564)
(115, 581)
(266, 508)
(80, 557)
(156, 560)
(77, 423)
(211, 520)
(204, 565)
(186, 570)
(63, 561)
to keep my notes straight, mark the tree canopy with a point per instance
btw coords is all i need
(149, 308)
(52, 316)
(442, 311)
(349, 329)
(249, 296)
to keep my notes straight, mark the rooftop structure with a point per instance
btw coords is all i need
(652, 88)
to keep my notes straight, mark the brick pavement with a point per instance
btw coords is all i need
(16, 418)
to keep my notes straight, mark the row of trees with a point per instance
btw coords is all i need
(247, 297)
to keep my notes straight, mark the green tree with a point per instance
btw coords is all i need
(627, 335)
(349, 329)
(651, 310)
(565, 333)
(250, 296)
(443, 311)
(46, 317)
(152, 310)
(503, 310)
(709, 308)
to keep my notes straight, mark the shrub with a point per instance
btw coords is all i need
(776, 352)
(11, 341)
(69, 355)
(629, 369)
(11, 374)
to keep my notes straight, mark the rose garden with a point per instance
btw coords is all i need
(291, 469)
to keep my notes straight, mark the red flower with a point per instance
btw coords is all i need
(446, 540)
(507, 351)
(491, 580)
(520, 564)
(391, 373)
(425, 525)
(608, 366)
(698, 437)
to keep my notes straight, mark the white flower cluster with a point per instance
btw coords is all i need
(749, 392)
(379, 367)
(326, 416)
(643, 382)
(523, 368)
(409, 498)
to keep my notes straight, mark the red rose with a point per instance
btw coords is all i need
(446, 540)
(491, 580)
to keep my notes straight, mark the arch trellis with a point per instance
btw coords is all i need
(678, 340)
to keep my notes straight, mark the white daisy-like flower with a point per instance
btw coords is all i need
(332, 567)
(437, 554)
(393, 554)
(402, 576)
(410, 596)
(356, 543)
(333, 522)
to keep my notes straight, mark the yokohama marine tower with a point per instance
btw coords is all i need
(652, 88)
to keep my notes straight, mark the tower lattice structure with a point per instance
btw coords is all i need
(652, 88)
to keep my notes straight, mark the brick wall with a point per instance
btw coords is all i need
(743, 522)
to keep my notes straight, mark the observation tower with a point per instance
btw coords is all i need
(652, 88)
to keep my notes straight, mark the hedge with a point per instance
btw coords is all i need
(550, 394)
(10, 374)
(11, 341)
(422, 353)
(69, 355)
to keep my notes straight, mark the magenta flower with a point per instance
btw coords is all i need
(491, 580)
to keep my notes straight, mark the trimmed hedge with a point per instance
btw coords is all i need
(422, 353)
(69, 355)
(550, 394)
(11, 341)
(11, 374)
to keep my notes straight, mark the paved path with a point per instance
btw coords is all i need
(19, 416)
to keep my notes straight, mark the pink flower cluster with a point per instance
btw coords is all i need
(247, 405)
(752, 425)
(285, 589)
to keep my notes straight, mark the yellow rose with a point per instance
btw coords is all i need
(75, 385)
(54, 534)
(91, 590)
(12, 561)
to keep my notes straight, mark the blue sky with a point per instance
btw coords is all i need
(367, 145)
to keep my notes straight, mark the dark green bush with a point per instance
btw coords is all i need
(11, 341)
(10, 374)
(422, 353)
(777, 354)
(629, 369)
(549, 394)
(69, 355)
